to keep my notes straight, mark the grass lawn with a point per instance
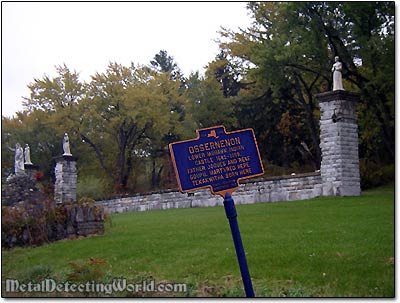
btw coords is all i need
(325, 247)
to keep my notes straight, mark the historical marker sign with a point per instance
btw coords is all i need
(216, 159)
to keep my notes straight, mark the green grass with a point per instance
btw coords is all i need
(320, 247)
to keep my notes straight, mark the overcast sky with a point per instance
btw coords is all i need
(87, 36)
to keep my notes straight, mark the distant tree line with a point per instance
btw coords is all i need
(265, 77)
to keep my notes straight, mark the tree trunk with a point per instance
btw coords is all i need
(153, 173)
(309, 108)
(120, 161)
(314, 136)
(99, 155)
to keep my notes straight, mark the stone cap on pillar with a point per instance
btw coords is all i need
(338, 95)
(65, 158)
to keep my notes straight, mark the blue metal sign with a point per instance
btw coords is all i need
(216, 159)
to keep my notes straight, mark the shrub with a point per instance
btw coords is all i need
(90, 270)
(38, 273)
(373, 175)
(27, 224)
(90, 186)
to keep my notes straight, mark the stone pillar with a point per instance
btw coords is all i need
(340, 170)
(66, 177)
(31, 170)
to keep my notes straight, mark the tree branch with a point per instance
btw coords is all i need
(99, 154)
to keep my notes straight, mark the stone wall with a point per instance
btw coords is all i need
(19, 189)
(284, 188)
(31, 170)
(339, 176)
(29, 217)
(25, 223)
(83, 220)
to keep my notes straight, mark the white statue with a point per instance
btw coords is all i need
(19, 160)
(27, 154)
(66, 148)
(337, 75)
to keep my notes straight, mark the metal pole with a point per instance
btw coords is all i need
(231, 214)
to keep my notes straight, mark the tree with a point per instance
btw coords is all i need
(50, 111)
(118, 114)
(164, 63)
(165, 66)
(371, 29)
(289, 70)
(36, 129)
(59, 98)
(225, 72)
(61, 92)
(208, 105)
(290, 49)
(124, 107)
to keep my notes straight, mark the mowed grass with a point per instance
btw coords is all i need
(325, 247)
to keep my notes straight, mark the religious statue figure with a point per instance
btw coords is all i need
(19, 168)
(66, 148)
(27, 154)
(337, 75)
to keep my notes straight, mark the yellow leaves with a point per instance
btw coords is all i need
(289, 126)
(52, 94)
(237, 44)
(136, 95)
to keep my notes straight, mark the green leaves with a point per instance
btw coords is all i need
(291, 46)
(208, 105)
(265, 77)
(57, 93)
(128, 105)
(114, 116)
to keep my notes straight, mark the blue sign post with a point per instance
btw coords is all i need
(218, 160)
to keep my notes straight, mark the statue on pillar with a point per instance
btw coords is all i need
(337, 75)
(27, 155)
(19, 160)
(66, 147)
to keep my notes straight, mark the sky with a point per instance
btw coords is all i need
(37, 36)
